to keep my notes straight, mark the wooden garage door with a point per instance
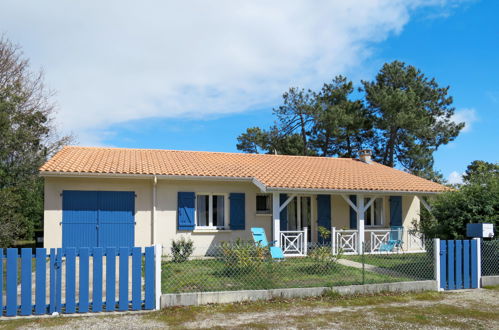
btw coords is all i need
(98, 218)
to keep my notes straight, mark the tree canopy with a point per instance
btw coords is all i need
(28, 138)
(402, 115)
(476, 201)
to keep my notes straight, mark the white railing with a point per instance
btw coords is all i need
(347, 241)
(378, 238)
(294, 242)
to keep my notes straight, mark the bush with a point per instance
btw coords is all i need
(323, 258)
(242, 257)
(182, 249)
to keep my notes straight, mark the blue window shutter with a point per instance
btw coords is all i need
(353, 214)
(186, 207)
(284, 213)
(395, 210)
(237, 211)
(324, 213)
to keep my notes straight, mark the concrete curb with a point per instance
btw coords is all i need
(490, 280)
(224, 297)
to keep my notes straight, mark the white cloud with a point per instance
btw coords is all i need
(455, 178)
(468, 116)
(114, 61)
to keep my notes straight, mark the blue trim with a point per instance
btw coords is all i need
(353, 214)
(185, 210)
(283, 216)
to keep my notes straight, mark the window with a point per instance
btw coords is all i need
(210, 211)
(375, 215)
(264, 204)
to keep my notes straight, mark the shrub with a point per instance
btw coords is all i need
(182, 249)
(241, 257)
(323, 258)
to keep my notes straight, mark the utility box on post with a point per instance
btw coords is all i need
(482, 230)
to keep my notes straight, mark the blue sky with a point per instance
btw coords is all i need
(194, 75)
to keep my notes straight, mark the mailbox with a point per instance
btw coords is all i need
(484, 230)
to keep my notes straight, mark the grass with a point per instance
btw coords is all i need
(416, 266)
(212, 275)
(175, 317)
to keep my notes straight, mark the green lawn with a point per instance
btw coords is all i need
(212, 275)
(416, 266)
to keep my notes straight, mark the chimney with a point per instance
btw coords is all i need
(365, 155)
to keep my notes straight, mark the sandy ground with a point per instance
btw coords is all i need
(459, 309)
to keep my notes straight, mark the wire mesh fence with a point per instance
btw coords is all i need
(490, 257)
(246, 266)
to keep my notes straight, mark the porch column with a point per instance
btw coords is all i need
(276, 221)
(360, 222)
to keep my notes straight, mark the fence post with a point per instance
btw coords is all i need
(333, 240)
(479, 260)
(363, 264)
(158, 250)
(436, 257)
(305, 241)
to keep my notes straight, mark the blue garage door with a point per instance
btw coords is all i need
(98, 218)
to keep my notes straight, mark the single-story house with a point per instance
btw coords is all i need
(103, 197)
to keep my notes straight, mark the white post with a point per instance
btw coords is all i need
(360, 222)
(276, 221)
(436, 258)
(333, 240)
(158, 251)
(479, 260)
(305, 240)
(154, 229)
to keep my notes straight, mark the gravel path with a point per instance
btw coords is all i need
(458, 309)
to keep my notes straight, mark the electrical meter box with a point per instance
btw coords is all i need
(483, 230)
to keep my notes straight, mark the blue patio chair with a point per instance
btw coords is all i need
(260, 237)
(394, 240)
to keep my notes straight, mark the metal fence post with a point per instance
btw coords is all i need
(436, 258)
(363, 265)
(333, 240)
(158, 250)
(479, 260)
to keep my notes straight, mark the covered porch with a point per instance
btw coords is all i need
(361, 222)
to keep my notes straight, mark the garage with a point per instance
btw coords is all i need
(98, 218)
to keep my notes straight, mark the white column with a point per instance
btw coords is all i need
(479, 260)
(333, 240)
(157, 277)
(276, 221)
(436, 256)
(154, 229)
(360, 222)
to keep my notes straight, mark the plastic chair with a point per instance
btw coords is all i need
(260, 237)
(394, 241)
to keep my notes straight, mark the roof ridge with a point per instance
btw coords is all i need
(208, 152)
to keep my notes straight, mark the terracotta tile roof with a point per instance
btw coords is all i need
(273, 171)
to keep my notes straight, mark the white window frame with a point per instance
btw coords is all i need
(269, 198)
(373, 212)
(210, 211)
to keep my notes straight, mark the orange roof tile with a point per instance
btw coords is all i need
(273, 171)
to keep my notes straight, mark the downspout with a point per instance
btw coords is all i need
(153, 213)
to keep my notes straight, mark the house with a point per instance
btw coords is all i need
(101, 197)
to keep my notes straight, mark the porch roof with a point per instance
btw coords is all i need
(269, 172)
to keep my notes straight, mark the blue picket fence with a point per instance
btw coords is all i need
(459, 264)
(18, 297)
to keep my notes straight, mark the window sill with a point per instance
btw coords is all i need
(263, 214)
(210, 230)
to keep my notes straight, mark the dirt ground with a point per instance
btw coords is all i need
(470, 309)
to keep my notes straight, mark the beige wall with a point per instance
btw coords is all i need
(166, 210)
(53, 205)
